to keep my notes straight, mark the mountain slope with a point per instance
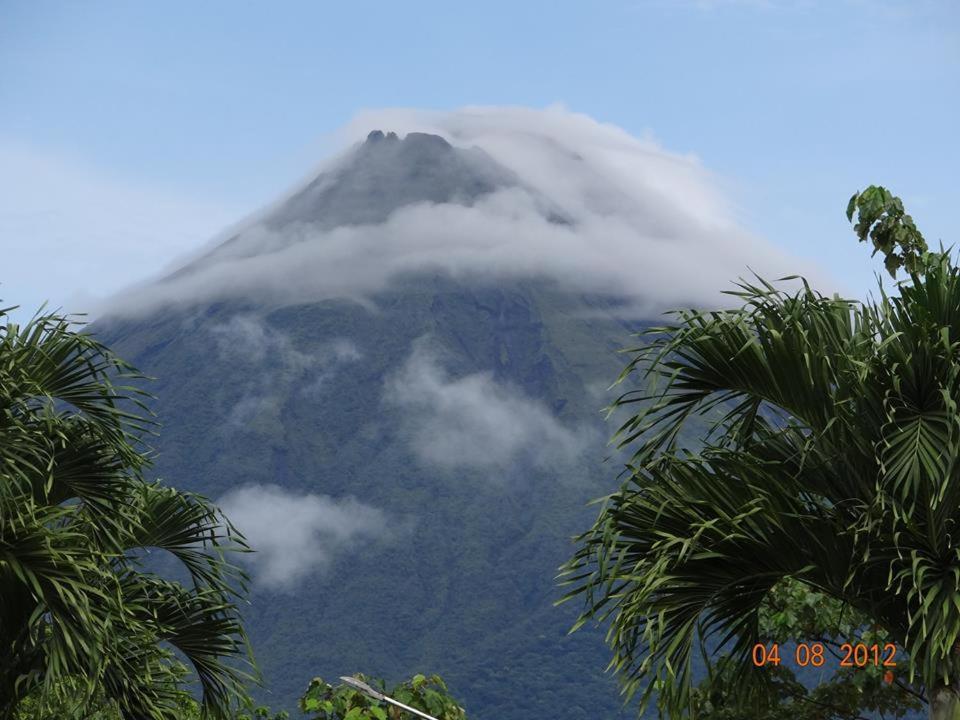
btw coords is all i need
(465, 585)
(412, 463)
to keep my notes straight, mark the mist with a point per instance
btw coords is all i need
(475, 422)
(638, 222)
(294, 535)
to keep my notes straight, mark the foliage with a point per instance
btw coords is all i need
(81, 620)
(831, 460)
(71, 704)
(792, 612)
(883, 219)
(321, 701)
(343, 702)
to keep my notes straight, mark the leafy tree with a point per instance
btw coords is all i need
(793, 611)
(342, 702)
(883, 219)
(81, 619)
(831, 462)
(71, 701)
(71, 705)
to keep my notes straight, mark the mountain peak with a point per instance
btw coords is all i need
(386, 173)
(378, 177)
(377, 135)
(413, 145)
(418, 139)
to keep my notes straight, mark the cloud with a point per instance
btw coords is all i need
(476, 422)
(645, 223)
(100, 230)
(248, 339)
(299, 534)
(274, 363)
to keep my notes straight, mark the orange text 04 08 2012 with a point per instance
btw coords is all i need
(815, 655)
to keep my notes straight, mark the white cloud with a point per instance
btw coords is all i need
(71, 233)
(246, 338)
(476, 422)
(647, 223)
(252, 407)
(242, 336)
(275, 364)
(297, 534)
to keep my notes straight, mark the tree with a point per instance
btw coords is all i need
(69, 704)
(324, 701)
(792, 610)
(321, 701)
(830, 461)
(82, 618)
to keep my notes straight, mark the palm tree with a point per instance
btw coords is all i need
(80, 611)
(831, 461)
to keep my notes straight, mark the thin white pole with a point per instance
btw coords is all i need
(377, 695)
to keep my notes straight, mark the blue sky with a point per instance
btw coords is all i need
(130, 132)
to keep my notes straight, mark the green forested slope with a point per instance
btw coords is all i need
(464, 584)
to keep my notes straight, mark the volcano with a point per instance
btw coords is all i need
(392, 381)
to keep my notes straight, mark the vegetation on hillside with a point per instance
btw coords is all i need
(465, 584)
